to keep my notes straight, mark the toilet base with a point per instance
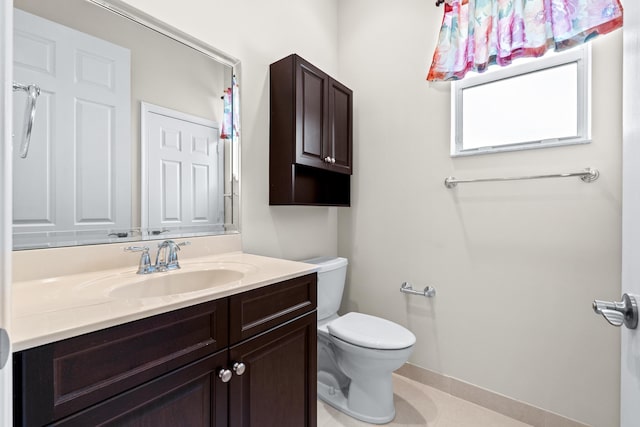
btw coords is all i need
(335, 397)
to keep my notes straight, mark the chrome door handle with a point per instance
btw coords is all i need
(619, 313)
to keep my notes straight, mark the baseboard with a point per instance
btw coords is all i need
(512, 408)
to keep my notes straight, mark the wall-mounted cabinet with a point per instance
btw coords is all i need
(311, 136)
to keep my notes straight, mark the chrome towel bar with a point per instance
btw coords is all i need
(587, 175)
(428, 291)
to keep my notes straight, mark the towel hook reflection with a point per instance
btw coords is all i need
(33, 92)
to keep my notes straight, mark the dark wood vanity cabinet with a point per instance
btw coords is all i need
(310, 135)
(165, 370)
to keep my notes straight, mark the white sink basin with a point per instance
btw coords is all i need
(191, 278)
(176, 282)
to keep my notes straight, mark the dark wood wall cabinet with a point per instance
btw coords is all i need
(310, 136)
(241, 361)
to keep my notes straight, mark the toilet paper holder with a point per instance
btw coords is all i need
(406, 288)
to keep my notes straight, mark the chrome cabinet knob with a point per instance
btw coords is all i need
(619, 313)
(333, 160)
(239, 368)
(225, 375)
(327, 159)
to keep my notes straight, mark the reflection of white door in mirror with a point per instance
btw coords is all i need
(182, 173)
(83, 117)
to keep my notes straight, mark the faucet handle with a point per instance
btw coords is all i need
(144, 267)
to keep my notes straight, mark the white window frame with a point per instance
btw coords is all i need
(580, 55)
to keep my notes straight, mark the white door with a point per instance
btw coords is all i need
(77, 172)
(630, 362)
(5, 210)
(182, 172)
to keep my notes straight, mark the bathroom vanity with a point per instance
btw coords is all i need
(239, 354)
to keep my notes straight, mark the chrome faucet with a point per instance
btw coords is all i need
(166, 257)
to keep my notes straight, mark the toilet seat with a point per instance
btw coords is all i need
(372, 332)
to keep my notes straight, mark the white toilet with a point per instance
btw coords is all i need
(356, 352)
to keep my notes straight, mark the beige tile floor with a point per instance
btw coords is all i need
(424, 406)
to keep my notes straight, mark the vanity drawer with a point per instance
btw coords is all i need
(58, 379)
(256, 311)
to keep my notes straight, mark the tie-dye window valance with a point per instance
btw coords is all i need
(478, 33)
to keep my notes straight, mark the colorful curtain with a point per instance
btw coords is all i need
(478, 33)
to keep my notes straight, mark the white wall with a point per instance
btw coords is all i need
(258, 33)
(516, 265)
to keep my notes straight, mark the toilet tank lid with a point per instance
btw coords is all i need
(327, 263)
(368, 331)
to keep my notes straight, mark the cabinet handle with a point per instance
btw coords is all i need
(239, 368)
(225, 375)
(327, 159)
(333, 160)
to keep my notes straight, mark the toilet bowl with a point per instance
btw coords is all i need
(357, 353)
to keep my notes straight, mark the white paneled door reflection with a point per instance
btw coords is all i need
(77, 173)
(184, 168)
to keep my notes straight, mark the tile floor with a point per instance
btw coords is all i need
(420, 405)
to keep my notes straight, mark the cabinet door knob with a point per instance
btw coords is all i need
(239, 368)
(327, 159)
(333, 160)
(225, 375)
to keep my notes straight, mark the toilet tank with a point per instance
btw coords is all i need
(332, 274)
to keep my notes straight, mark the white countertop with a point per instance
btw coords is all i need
(52, 309)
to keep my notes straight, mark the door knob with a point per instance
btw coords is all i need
(619, 313)
(239, 368)
(225, 375)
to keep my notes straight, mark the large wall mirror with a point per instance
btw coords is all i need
(135, 133)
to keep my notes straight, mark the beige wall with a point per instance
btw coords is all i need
(259, 33)
(516, 265)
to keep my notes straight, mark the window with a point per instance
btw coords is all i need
(535, 103)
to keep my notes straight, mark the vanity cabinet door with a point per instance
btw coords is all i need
(190, 396)
(278, 385)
